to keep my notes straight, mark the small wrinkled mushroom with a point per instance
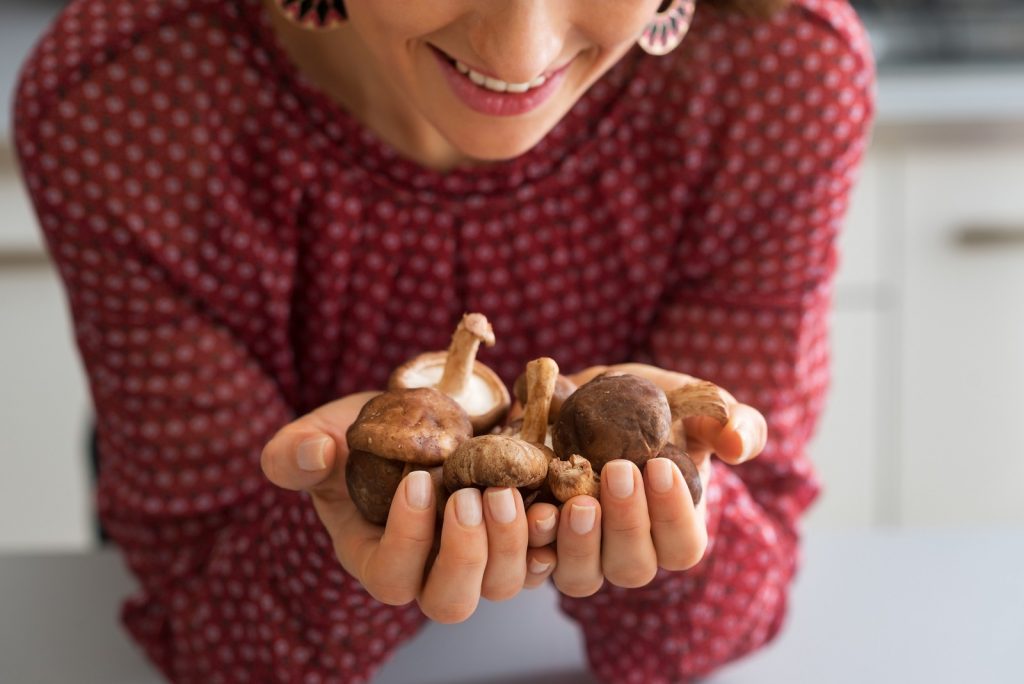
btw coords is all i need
(564, 387)
(518, 459)
(396, 432)
(496, 461)
(611, 417)
(572, 477)
(458, 374)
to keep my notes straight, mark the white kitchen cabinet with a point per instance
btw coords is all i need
(44, 494)
(849, 445)
(962, 351)
(45, 491)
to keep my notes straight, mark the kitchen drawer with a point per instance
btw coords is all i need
(44, 499)
(864, 266)
(18, 231)
(962, 357)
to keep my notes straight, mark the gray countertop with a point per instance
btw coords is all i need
(882, 606)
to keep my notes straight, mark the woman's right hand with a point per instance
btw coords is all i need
(483, 550)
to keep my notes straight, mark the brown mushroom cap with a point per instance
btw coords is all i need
(372, 482)
(485, 398)
(421, 426)
(496, 461)
(613, 416)
(564, 387)
(688, 469)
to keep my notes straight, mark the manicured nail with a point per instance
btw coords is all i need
(547, 524)
(581, 518)
(311, 454)
(618, 479)
(538, 568)
(467, 507)
(418, 489)
(747, 438)
(659, 474)
(502, 505)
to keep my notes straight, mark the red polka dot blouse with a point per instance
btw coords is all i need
(237, 250)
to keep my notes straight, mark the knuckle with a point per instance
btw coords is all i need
(449, 612)
(500, 591)
(632, 576)
(630, 528)
(462, 559)
(391, 592)
(577, 587)
(572, 552)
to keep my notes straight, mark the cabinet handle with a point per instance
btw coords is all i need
(11, 259)
(989, 235)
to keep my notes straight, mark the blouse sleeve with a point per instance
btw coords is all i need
(237, 579)
(749, 311)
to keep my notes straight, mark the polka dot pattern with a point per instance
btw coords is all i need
(237, 250)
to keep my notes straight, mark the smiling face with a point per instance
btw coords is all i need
(486, 79)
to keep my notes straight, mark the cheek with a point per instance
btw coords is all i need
(612, 24)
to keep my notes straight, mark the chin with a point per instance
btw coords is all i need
(498, 143)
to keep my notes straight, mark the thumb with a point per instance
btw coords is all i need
(310, 452)
(299, 457)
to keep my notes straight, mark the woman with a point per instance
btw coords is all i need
(260, 207)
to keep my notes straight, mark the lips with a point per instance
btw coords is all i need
(487, 94)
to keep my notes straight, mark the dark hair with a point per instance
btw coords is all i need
(754, 8)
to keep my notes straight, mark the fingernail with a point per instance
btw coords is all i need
(418, 489)
(547, 524)
(502, 505)
(581, 518)
(538, 568)
(747, 438)
(311, 454)
(618, 479)
(467, 507)
(659, 474)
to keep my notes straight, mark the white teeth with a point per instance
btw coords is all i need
(496, 84)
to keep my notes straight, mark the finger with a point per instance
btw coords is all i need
(587, 374)
(392, 570)
(303, 454)
(739, 440)
(540, 563)
(677, 528)
(507, 536)
(452, 591)
(542, 522)
(578, 572)
(628, 558)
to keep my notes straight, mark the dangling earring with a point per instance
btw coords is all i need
(668, 28)
(315, 13)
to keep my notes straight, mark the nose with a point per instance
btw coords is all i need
(518, 40)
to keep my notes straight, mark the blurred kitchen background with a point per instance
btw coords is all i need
(923, 428)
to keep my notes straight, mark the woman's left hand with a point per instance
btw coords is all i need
(642, 522)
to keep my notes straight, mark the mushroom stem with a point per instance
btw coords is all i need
(458, 368)
(541, 375)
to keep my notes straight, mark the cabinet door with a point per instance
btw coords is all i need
(962, 360)
(848, 449)
(44, 495)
